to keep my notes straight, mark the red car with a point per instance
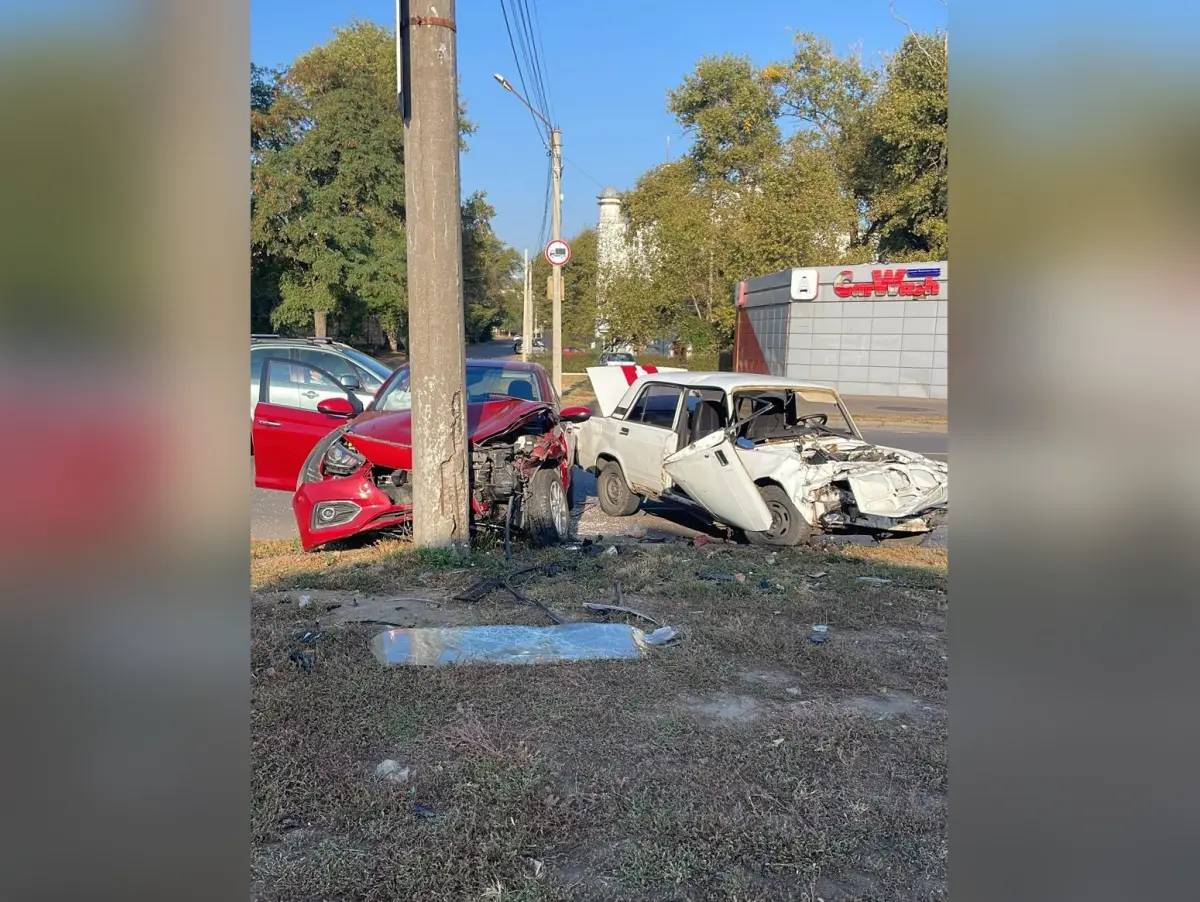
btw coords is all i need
(354, 477)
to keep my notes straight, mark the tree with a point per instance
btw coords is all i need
(863, 178)
(489, 268)
(327, 211)
(329, 202)
(801, 217)
(902, 166)
(730, 109)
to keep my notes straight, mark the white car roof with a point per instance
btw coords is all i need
(731, 381)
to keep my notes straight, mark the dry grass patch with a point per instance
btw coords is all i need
(743, 763)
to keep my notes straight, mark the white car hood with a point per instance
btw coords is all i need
(886, 482)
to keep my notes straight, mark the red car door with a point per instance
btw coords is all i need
(284, 433)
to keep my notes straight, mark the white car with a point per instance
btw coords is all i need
(617, 358)
(776, 458)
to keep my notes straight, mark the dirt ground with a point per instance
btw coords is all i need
(744, 762)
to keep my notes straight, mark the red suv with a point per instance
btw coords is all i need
(354, 477)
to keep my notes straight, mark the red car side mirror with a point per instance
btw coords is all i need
(575, 414)
(336, 407)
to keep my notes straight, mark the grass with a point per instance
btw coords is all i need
(743, 763)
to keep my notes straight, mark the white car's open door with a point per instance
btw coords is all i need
(711, 473)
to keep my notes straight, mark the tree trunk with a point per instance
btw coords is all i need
(393, 339)
(320, 321)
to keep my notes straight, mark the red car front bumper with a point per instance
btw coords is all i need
(375, 509)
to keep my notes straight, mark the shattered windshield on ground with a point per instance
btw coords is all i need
(783, 414)
(484, 383)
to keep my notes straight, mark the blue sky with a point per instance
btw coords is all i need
(609, 64)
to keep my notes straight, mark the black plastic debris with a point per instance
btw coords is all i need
(483, 588)
(717, 577)
(304, 658)
(605, 611)
(289, 822)
(422, 811)
(309, 637)
(479, 591)
(819, 634)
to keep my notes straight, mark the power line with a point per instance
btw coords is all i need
(582, 172)
(543, 236)
(538, 31)
(520, 75)
(530, 46)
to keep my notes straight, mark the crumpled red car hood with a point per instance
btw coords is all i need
(484, 419)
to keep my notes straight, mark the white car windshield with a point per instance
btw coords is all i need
(772, 414)
(484, 383)
(621, 358)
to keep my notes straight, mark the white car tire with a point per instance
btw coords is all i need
(616, 498)
(788, 526)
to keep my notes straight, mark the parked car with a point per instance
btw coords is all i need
(354, 477)
(538, 346)
(778, 459)
(617, 358)
(358, 372)
(573, 352)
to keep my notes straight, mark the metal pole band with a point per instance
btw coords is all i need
(433, 20)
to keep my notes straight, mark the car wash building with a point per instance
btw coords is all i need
(871, 329)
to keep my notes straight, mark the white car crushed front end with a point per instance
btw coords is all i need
(839, 482)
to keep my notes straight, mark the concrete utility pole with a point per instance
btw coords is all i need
(527, 319)
(556, 174)
(556, 277)
(437, 341)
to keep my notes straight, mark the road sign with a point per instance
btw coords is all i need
(558, 252)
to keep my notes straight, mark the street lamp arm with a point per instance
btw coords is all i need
(507, 85)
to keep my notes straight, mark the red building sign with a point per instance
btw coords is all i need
(904, 283)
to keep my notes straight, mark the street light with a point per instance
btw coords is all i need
(556, 175)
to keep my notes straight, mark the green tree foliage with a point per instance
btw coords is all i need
(862, 176)
(579, 291)
(327, 205)
(902, 167)
(490, 270)
(329, 196)
(731, 110)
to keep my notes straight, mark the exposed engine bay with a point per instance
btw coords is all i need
(843, 482)
(508, 469)
(503, 466)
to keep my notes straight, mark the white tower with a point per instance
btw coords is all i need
(611, 250)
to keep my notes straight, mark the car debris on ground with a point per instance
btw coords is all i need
(722, 577)
(511, 644)
(389, 769)
(305, 655)
(820, 632)
(607, 610)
